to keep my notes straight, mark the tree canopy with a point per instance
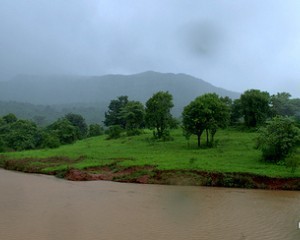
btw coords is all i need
(158, 113)
(206, 113)
(79, 122)
(133, 115)
(255, 106)
(64, 130)
(113, 116)
(278, 139)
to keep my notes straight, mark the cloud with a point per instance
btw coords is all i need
(233, 44)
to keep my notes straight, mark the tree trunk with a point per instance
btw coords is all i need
(199, 135)
(207, 139)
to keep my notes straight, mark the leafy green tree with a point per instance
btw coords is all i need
(295, 102)
(158, 113)
(64, 130)
(236, 112)
(255, 107)
(10, 118)
(95, 130)
(133, 114)
(278, 139)
(113, 115)
(79, 122)
(206, 113)
(21, 135)
(48, 139)
(282, 105)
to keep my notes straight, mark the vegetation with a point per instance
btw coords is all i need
(158, 114)
(114, 114)
(255, 107)
(133, 114)
(79, 123)
(95, 130)
(206, 113)
(234, 153)
(17, 134)
(278, 139)
(281, 105)
(44, 115)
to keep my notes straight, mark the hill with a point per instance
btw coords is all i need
(57, 90)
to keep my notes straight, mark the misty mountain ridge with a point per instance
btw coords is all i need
(80, 89)
(82, 94)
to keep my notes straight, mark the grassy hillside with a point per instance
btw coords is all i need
(234, 153)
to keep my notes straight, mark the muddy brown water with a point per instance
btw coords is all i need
(44, 207)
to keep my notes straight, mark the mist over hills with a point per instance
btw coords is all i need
(81, 90)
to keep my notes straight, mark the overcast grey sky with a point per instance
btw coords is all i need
(234, 44)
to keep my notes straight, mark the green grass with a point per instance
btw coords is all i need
(234, 153)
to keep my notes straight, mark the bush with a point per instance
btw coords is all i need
(114, 132)
(49, 140)
(279, 139)
(133, 132)
(95, 130)
(64, 130)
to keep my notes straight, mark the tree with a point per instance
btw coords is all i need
(206, 113)
(10, 118)
(255, 107)
(48, 139)
(282, 105)
(278, 139)
(236, 112)
(133, 114)
(64, 130)
(158, 115)
(95, 130)
(21, 135)
(79, 122)
(113, 115)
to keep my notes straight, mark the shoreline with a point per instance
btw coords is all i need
(151, 175)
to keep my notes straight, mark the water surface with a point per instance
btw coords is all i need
(44, 207)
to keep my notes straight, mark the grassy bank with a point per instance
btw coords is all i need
(234, 153)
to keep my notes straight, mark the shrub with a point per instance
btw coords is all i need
(95, 130)
(114, 132)
(278, 139)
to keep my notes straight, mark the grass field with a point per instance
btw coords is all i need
(234, 152)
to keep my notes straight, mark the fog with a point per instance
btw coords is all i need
(232, 44)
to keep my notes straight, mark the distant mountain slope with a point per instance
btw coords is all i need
(67, 89)
(46, 114)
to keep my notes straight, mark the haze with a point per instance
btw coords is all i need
(232, 44)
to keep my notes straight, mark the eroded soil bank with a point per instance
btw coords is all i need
(151, 175)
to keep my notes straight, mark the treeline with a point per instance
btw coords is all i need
(277, 117)
(204, 114)
(43, 115)
(18, 134)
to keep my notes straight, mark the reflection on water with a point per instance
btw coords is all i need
(43, 207)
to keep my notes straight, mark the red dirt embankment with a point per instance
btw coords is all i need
(150, 175)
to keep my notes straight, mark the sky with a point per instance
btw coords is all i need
(234, 44)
